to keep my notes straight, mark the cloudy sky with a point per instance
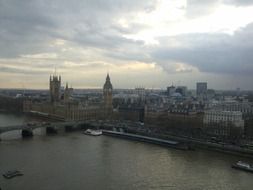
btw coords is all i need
(150, 43)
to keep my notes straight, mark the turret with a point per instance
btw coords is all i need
(108, 84)
(67, 93)
(55, 88)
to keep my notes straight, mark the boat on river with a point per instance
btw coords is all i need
(11, 174)
(243, 166)
(92, 132)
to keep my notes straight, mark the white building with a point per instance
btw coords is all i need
(244, 107)
(224, 118)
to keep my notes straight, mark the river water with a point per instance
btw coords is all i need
(73, 161)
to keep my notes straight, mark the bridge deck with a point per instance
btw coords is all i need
(39, 125)
(108, 124)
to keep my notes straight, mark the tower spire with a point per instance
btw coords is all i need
(107, 93)
(107, 77)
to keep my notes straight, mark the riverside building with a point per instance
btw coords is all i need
(224, 123)
(66, 108)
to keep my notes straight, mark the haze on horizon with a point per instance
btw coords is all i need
(140, 43)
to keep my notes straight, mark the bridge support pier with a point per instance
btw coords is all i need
(27, 133)
(51, 130)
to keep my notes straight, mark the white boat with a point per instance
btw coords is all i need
(243, 166)
(93, 132)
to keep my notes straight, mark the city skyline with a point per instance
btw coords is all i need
(145, 43)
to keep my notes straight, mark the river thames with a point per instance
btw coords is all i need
(73, 161)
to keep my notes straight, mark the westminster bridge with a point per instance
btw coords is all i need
(53, 127)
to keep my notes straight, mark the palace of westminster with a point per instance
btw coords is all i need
(181, 114)
(63, 107)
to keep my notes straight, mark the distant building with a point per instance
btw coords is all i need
(107, 94)
(55, 88)
(171, 90)
(67, 93)
(226, 117)
(141, 92)
(201, 88)
(245, 107)
(210, 93)
(182, 90)
(180, 122)
(75, 112)
(133, 113)
(224, 123)
(71, 109)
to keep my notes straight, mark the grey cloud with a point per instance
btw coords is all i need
(131, 52)
(105, 39)
(131, 29)
(27, 27)
(218, 53)
(239, 2)
(22, 27)
(196, 8)
(6, 69)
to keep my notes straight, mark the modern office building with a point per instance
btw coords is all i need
(171, 90)
(201, 88)
(182, 90)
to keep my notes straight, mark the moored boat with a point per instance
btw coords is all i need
(92, 132)
(153, 140)
(243, 166)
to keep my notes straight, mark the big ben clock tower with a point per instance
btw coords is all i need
(107, 93)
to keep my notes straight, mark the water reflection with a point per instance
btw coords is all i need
(76, 161)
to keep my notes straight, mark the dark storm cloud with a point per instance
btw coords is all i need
(214, 53)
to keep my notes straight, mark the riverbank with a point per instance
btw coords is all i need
(220, 147)
(195, 143)
(206, 145)
(187, 141)
(161, 142)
